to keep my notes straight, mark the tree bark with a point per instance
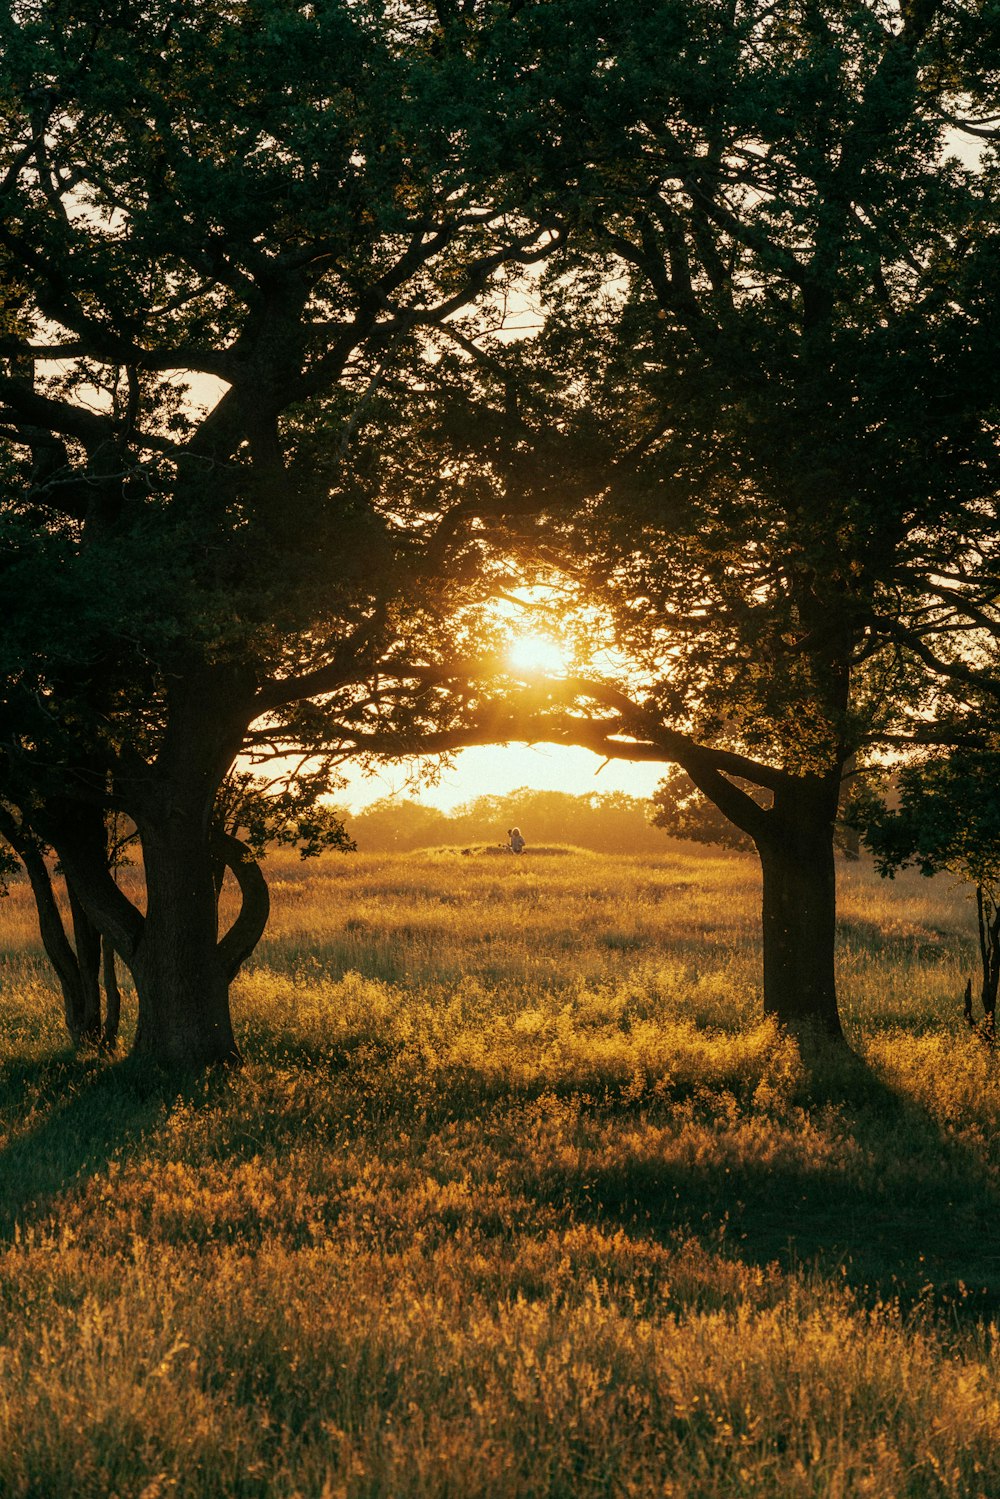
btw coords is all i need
(246, 931)
(77, 834)
(799, 907)
(112, 997)
(182, 972)
(76, 964)
(58, 948)
(87, 941)
(989, 947)
(181, 982)
(794, 837)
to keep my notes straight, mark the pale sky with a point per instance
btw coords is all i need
(497, 770)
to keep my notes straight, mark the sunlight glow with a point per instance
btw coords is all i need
(538, 653)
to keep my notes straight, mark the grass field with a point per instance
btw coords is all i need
(517, 1194)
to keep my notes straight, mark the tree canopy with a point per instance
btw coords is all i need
(770, 357)
(227, 233)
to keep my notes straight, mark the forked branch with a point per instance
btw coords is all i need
(248, 928)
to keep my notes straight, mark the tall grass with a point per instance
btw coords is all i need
(518, 1193)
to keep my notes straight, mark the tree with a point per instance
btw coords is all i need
(227, 230)
(84, 962)
(682, 811)
(251, 815)
(947, 817)
(398, 824)
(761, 417)
(777, 433)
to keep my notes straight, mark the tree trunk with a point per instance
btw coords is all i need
(87, 941)
(794, 838)
(181, 981)
(112, 997)
(57, 946)
(76, 964)
(799, 908)
(988, 912)
(182, 972)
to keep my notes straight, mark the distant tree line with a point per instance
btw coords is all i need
(609, 822)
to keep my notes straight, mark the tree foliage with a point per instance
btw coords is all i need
(229, 231)
(945, 815)
(771, 352)
(682, 811)
(288, 814)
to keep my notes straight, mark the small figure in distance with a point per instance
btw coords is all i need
(515, 840)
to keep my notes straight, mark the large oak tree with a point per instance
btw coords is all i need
(761, 416)
(780, 422)
(225, 230)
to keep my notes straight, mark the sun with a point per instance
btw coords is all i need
(538, 654)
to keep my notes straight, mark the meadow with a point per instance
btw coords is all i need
(517, 1194)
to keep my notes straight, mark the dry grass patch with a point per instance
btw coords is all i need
(491, 1211)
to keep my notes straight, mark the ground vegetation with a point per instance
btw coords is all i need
(518, 1191)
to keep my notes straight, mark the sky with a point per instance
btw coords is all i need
(499, 769)
(496, 770)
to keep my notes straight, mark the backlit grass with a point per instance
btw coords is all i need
(517, 1194)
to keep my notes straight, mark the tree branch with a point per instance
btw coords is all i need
(246, 931)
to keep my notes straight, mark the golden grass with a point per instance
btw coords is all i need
(517, 1194)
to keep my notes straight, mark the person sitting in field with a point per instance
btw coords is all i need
(515, 840)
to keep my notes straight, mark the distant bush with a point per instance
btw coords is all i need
(611, 822)
(679, 808)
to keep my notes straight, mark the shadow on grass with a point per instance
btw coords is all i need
(905, 1210)
(863, 1183)
(93, 1108)
(927, 945)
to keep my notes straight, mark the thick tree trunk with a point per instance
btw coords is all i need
(182, 971)
(181, 981)
(799, 908)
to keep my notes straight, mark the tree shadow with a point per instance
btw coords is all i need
(102, 1106)
(896, 1208)
(865, 1184)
